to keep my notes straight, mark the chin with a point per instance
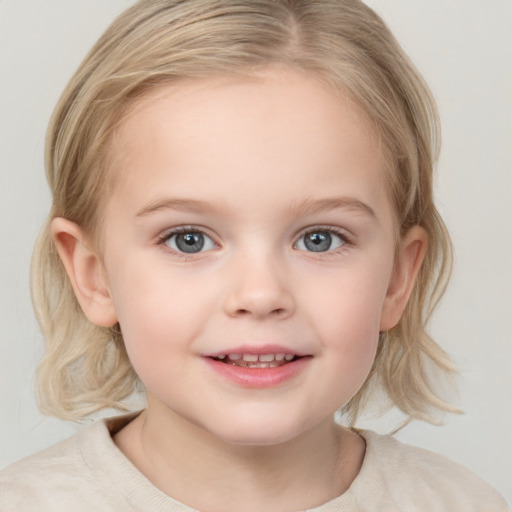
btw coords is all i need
(259, 433)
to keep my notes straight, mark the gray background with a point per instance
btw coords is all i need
(463, 48)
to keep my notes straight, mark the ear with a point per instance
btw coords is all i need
(85, 271)
(407, 264)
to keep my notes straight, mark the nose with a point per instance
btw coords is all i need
(259, 288)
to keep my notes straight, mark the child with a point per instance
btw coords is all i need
(243, 222)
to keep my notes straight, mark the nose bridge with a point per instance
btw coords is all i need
(259, 286)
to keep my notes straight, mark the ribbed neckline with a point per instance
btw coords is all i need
(105, 460)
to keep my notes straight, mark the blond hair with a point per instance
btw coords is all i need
(344, 43)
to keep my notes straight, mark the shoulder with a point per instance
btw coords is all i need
(416, 479)
(84, 473)
(61, 477)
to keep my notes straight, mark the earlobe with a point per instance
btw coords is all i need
(407, 265)
(85, 271)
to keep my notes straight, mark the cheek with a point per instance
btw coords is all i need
(348, 302)
(159, 316)
(346, 316)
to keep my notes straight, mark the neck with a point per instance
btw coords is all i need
(204, 472)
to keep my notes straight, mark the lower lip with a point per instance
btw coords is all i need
(259, 377)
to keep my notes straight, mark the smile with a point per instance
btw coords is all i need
(255, 360)
(261, 367)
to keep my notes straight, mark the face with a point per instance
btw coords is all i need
(248, 247)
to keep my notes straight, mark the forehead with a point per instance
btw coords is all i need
(269, 130)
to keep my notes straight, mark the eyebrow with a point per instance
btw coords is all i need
(182, 205)
(306, 206)
(309, 206)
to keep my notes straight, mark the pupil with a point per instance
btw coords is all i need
(319, 241)
(190, 239)
(190, 242)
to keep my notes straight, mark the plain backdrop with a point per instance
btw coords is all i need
(462, 47)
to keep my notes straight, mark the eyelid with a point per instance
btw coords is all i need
(340, 232)
(169, 233)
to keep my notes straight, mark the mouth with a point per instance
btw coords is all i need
(258, 367)
(271, 360)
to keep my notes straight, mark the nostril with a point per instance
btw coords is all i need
(252, 301)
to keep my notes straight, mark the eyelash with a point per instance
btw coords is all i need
(180, 230)
(342, 234)
(347, 240)
(165, 237)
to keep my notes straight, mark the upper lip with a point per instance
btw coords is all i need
(256, 350)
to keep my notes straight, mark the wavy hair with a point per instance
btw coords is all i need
(342, 42)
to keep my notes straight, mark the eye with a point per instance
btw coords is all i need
(320, 240)
(189, 241)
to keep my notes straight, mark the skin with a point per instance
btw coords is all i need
(255, 163)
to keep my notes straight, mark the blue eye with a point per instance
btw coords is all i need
(320, 240)
(189, 242)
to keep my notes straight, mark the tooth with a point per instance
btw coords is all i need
(234, 357)
(221, 356)
(289, 357)
(266, 358)
(250, 358)
(279, 357)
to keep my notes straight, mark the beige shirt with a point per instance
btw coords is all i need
(89, 473)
